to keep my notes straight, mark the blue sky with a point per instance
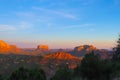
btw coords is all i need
(60, 23)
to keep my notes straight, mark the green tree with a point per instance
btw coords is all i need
(26, 74)
(37, 74)
(92, 68)
(63, 73)
(1, 77)
(20, 74)
(116, 54)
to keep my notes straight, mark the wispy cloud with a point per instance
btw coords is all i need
(24, 25)
(60, 13)
(77, 26)
(7, 28)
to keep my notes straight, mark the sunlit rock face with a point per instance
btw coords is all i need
(60, 59)
(80, 51)
(61, 55)
(85, 48)
(41, 50)
(14, 49)
(6, 48)
(42, 47)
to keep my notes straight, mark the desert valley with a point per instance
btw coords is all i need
(12, 57)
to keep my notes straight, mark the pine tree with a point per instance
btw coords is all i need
(116, 54)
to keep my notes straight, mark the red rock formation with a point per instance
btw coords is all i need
(61, 55)
(42, 47)
(60, 59)
(6, 48)
(85, 48)
(14, 49)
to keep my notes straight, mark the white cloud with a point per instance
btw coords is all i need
(77, 26)
(7, 28)
(21, 25)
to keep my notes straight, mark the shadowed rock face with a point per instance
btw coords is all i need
(6, 48)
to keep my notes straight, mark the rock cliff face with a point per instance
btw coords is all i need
(6, 48)
(85, 48)
(60, 59)
(42, 47)
(14, 49)
(80, 51)
(41, 50)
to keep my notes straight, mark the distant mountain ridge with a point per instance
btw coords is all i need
(42, 50)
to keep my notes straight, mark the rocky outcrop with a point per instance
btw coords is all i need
(42, 47)
(14, 49)
(80, 51)
(6, 48)
(60, 59)
(61, 56)
(41, 50)
(85, 48)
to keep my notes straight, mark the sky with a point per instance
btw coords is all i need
(60, 23)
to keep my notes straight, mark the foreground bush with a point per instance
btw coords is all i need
(92, 68)
(62, 74)
(1, 77)
(26, 74)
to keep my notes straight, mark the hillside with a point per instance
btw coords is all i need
(60, 58)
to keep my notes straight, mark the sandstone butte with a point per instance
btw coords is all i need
(6, 48)
(42, 47)
(85, 48)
